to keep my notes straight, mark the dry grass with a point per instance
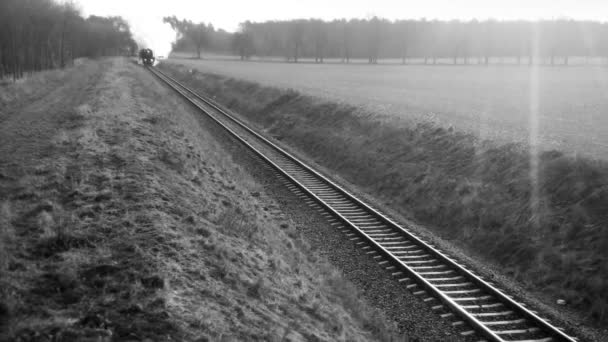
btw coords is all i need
(475, 192)
(29, 86)
(134, 224)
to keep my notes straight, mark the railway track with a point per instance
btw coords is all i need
(474, 306)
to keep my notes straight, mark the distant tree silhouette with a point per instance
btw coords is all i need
(347, 37)
(488, 37)
(243, 42)
(320, 40)
(406, 31)
(488, 41)
(198, 33)
(44, 34)
(374, 39)
(296, 38)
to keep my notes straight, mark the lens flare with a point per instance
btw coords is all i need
(533, 138)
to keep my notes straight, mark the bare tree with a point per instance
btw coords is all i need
(347, 37)
(197, 33)
(320, 37)
(296, 36)
(406, 32)
(374, 39)
(488, 40)
(243, 42)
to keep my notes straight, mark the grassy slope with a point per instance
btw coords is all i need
(126, 222)
(22, 90)
(475, 192)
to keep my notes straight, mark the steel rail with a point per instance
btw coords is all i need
(478, 325)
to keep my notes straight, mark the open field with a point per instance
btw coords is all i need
(551, 239)
(495, 102)
(472, 61)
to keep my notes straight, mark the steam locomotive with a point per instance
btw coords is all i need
(147, 56)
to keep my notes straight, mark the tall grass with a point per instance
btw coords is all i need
(473, 191)
(32, 86)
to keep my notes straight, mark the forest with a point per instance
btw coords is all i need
(462, 42)
(44, 34)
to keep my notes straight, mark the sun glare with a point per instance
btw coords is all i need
(533, 124)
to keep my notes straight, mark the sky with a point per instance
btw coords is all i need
(145, 16)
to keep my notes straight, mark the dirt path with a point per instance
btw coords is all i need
(123, 218)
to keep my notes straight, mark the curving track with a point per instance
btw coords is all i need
(474, 305)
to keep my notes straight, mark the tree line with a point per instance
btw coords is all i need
(44, 34)
(427, 41)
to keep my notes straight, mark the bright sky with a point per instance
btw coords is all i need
(146, 16)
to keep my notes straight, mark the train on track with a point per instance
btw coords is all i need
(147, 56)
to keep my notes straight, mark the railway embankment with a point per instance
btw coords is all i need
(539, 219)
(122, 218)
